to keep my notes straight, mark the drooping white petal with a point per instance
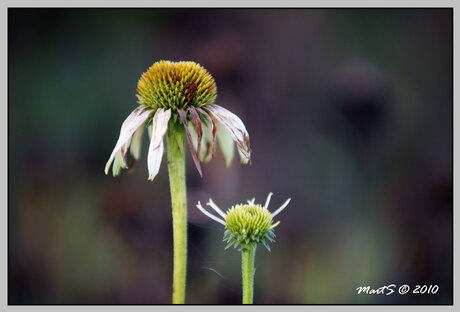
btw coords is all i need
(129, 126)
(268, 200)
(281, 208)
(156, 147)
(118, 164)
(234, 125)
(193, 152)
(206, 142)
(197, 123)
(193, 135)
(120, 159)
(208, 214)
(209, 137)
(243, 159)
(154, 158)
(149, 131)
(136, 142)
(216, 208)
(226, 143)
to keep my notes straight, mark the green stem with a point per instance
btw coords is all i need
(175, 146)
(247, 262)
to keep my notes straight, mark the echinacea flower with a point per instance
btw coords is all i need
(182, 93)
(246, 224)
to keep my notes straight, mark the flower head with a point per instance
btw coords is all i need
(176, 85)
(181, 93)
(246, 224)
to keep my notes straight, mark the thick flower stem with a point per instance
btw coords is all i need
(248, 258)
(175, 146)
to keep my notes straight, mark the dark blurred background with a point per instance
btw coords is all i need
(349, 113)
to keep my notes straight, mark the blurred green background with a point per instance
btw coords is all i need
(349, 113)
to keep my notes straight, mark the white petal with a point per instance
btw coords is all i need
(136, 142)
(216, 208)
(208, 214)
(227, 146)
(281, 208)
(129, 126)
(209, 135)
(275, 225)
(149, 131)
(193, 134)
(251, 201)
(118, 164)
(243, 159)
(154, 160)
(234, 125)
(268, 200)
(156, 147)
(206, 142)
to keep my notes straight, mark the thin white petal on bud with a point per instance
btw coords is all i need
(281, 208)
(275, 225)
(251, 201)
(156, 148)
(216, 208)
(208, 214)
(268, 200)
(129, 126)
(234, 125)
(227, 146)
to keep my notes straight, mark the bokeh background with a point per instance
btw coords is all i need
(349, 113)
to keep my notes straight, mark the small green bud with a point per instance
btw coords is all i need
(246, 224)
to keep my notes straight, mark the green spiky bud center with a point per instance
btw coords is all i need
(176, 85)
(248, 224)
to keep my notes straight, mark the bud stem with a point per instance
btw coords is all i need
(175, 146)
(247, 261)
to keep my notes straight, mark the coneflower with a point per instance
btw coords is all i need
(176, 100)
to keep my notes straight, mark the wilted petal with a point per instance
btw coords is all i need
(227, 145)
(118, 164)
(129, 126)
(197, 123)
(207, 146)
(243, 158)
(149, 131)
(135, 149)
(234, 125)
(205, 151)
(196, 161)
(156, 147)
(213, 131)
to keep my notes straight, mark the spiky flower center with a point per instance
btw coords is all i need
(174, 85)
(248, 223)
